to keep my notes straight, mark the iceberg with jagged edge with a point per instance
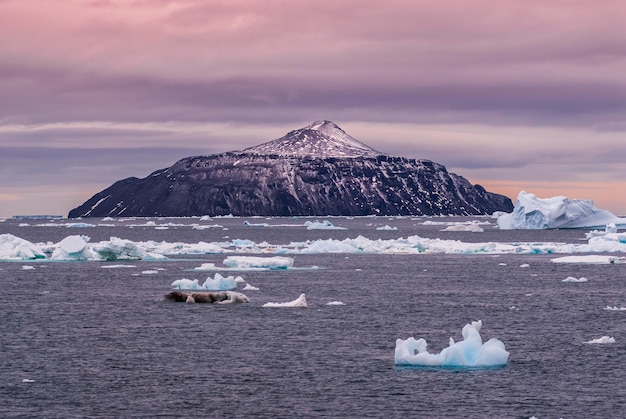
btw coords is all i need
(533, 213)
(470, 352)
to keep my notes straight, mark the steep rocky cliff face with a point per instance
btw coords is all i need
(317, 170)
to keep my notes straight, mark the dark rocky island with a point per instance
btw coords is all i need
(313, 171)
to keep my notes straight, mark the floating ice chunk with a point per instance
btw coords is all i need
(324, 225)
(220, 283)
(589, 259)
(204, 227)
(298, 302)
(470, 352)
(27, 380)
(206, 267)
(72, 248)
(121, 249)
(217, 283)
(615, 308)
(250, 287)
(572, 279)
(27, 267)
(472, 227)
(532, 213)
(253, 262)
(150, 272)
(186, 284)
(524, 265)
(249, 224)
(335, 303)
(602, 340)
(386, 228)
(15, 248)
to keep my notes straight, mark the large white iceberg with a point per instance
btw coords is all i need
(532, 213)
(470, 352)
(16, 248)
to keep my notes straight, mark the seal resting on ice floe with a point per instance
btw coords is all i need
(223, 297)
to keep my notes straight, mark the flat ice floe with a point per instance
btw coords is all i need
(589, 259)
(573, 279)
(602, 340)
(298, 302)
(470, 352)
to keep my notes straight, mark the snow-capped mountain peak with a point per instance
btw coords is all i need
(320, 139)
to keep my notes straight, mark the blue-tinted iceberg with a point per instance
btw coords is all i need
(532, 213)
(470, 352)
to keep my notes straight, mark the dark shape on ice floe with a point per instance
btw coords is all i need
(316, 170)
(222, 297)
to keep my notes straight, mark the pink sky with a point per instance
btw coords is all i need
(514, 95)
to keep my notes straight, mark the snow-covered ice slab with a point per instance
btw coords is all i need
(253, 262)
(470, 352)
(298, 302)
(589, 259)
(533, 213)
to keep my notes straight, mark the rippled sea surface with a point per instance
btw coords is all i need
(79, 340)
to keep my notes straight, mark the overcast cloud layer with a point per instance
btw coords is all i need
(514, 95)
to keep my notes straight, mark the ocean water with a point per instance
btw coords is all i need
(79, 340)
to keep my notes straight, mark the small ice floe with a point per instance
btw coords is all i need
(501, 264)
(614, 308)
(27, 267)
(205, 227)
(250, 287)
(572, 279)
(470, 352)
(524, 265)
(323, 225)
(150, 272)
(514, 308)
(335, 303)
(472, 227)
(386, 228)
(27, 380)
(249, 224)
(589, 259)
(298, 302)
(602, 340)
